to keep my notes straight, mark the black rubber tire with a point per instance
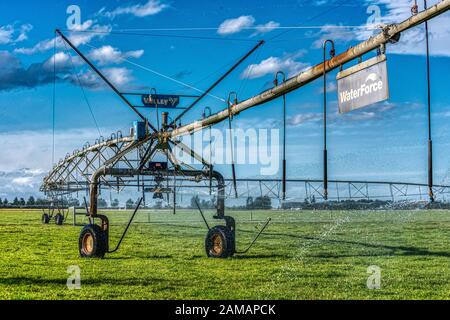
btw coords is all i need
(45, 218)
(220, 243)
(59, 219)
(92, 242)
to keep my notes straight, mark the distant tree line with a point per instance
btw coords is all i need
(363, 204)
(20, 202)
(32, 202)
(255, 203)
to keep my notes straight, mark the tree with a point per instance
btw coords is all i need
(129, 204)
(5, 202)
(102, 203)
(262, 203)
(22, 202)
(115, 203)
(194, 200)
(73, 202)
(41, 202)
(31, 201)
(250, 203)
(16, 202)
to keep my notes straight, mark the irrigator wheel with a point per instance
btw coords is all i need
(92, 242)
(45, 218)
(59, 219)
(219, 242)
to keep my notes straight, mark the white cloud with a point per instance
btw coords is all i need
(8, 33)
(336, 33)
(120, 77)
(301, 118)
(23, 181)
(269, 26)
(62, 62)
(77, 36)
(236, 25)
(39, 47)
(23, 168)
(412, 42)
(110, 55)
(150, 8)
(24, 30)
(331, 87)
(374, 112)
(271, 65)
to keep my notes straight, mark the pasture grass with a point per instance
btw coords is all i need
(301, 255)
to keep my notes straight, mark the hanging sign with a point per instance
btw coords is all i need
(363, 84)
(160, 101)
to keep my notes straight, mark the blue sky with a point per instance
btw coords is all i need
(382, 142)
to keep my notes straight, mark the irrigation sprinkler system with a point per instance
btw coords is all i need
(124, 161)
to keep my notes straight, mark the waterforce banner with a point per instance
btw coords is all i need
(363, 84)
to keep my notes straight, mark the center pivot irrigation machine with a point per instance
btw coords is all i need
(129, 161)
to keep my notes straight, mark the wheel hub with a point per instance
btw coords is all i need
(217, 247)
(88, 244)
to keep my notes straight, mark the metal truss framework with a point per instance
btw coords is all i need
(74, 175)
(304, 189)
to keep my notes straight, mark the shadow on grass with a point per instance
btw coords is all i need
(97, 281)
(138, 256)
(261, 256)
(394, 250)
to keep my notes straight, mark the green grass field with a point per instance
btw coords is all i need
(302, 255)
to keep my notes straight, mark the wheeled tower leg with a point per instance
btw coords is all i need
(94, 239)
(45, 218)
(59, 219)
(220, 241)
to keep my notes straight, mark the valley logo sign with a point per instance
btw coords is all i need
(160, 101)
(363, 84)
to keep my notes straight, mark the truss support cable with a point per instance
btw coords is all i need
(215, 84)
(430, 141)
(284, 135)
(165, 76)
(136, 32)
(128, 226)
(284, 149)
(54, 101)
(210, 168)
(103, 77)
(82, 90)
(233, 167)
(201, 213)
